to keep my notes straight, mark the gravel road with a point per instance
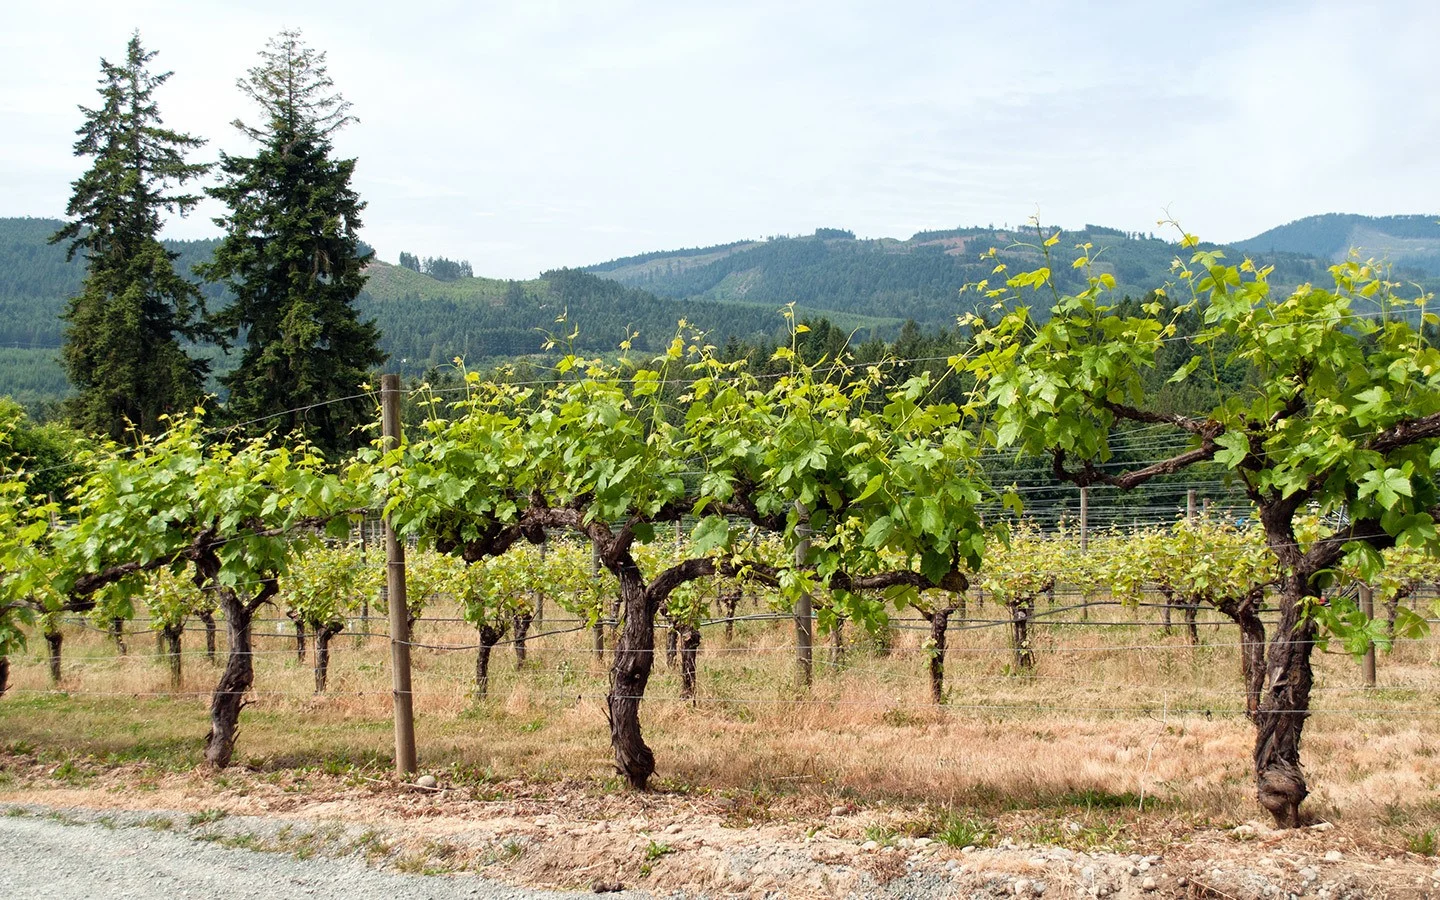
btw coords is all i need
(73, 859)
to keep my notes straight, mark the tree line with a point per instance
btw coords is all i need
(290, 261)
(437, 267)
(918, 279)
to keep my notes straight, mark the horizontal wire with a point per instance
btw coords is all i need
(1157, 707)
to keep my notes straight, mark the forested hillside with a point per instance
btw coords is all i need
(1407, 241)
(424, 322)
(919, 278)
(732, 291)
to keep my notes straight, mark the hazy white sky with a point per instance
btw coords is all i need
(527, 135)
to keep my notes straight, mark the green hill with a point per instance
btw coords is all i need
(919, 278)
(870, 287)
(427, 322)
(1409, 242)
(424, 322)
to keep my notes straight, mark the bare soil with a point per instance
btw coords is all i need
(590, 835)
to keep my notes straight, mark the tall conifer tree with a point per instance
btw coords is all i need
(292, 258)
(122, 346)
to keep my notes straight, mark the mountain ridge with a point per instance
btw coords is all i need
(869, 286)
(1406, 241)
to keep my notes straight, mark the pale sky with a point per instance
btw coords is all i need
(524, 136)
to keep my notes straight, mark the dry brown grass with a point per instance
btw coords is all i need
(1111, 714)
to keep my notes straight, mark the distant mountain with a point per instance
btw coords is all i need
(870, 287)
(919, 278)
(423, 322)
(1409, 242)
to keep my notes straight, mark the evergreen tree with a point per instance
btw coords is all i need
(292, 258)
(122, 344)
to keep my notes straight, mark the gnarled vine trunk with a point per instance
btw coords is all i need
(522, 629)
(208, 617)
(299, 635)
(729, 599)
(837, 643)
(236, 679)
(1167, 625)
(1021, 609)
(615, 605)
(939, 624)
(171, 634)
(54, 641)
(672, 645)
(323, 635)
(1244, 611)
(1392, 610)
(1280, 718)
(489, 637)
(629, 675)
(689, 656)
(1192, 610)
(4, 675)
(238, 675)
(117, 634)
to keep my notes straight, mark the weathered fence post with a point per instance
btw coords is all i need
(804, 612)
(1367, 606)
(395, 594)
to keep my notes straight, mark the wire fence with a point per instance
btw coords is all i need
(560, 671)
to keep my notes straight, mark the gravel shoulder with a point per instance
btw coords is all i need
(76, 855)
(193, 834)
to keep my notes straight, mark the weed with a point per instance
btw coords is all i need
(335, 766)
(655, 850)
(963, 831)
(242, 841)
(900, 717)
(1090, 798)
(412, 863)
(1424, 843)
(372, 846)
(157, 823)
(751, 808)
(884, 835)
(70, 773)
(207, 816)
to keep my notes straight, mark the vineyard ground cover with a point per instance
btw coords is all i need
(1111, 714)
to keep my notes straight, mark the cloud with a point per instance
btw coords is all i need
(523, 136)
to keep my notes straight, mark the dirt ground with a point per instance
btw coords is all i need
(588, 835)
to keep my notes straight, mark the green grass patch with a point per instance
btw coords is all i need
(207, 817)
(964, 831)
(1424, 843)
